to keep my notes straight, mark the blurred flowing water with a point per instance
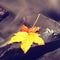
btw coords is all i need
(30, 9)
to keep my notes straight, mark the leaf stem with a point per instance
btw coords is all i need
(36, 20)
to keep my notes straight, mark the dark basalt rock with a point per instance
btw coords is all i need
(35, 53)
(52, 14)
(3, 13)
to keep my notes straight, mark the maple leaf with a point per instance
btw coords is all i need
(27, 37)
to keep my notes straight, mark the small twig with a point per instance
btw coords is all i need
(36, 20)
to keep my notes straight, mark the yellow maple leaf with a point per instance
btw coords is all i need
(26, 39)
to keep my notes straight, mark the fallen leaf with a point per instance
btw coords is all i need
(27, 38)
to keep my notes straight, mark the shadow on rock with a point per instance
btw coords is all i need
(33, 54)
(52, 14)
